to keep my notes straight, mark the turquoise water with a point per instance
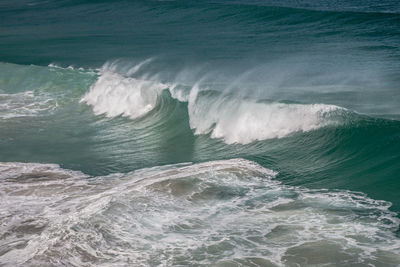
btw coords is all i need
(222, 133)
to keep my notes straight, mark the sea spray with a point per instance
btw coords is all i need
(223, 116)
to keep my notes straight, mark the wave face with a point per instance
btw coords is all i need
(215, 132)
(187, 215)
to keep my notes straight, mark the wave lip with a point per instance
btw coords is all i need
(225, 116)
(244, 121)
(115, 95)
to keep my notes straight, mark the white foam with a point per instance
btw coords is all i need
(25, 104)
(244, 121)
(14, 170)
(228, 117)
(229, 210)
(115, 95)
(56, 66)
(179, 93)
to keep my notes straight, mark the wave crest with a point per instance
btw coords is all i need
(244, 121)
(115, 95)
(222, 115)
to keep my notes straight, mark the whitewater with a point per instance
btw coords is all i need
(186, 133)
(187, 215)
(233, 119)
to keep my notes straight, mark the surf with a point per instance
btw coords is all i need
(199, 133)
(188, 214)
(223, 116)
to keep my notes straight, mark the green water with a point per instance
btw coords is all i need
(161, 133)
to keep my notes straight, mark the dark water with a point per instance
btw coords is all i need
(227, 133)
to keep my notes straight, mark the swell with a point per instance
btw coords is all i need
(248, 30)
(287, 6)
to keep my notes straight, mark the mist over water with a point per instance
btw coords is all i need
(215, 133)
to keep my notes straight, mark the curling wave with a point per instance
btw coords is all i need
(115, 95)
(222, 116)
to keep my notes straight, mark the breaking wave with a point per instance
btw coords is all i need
(115, 95)
(223, 116)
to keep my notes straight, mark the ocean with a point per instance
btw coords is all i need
(199, 133)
